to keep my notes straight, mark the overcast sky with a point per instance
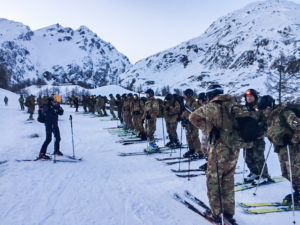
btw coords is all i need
(137, 28)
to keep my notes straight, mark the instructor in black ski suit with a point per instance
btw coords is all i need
(50, 112)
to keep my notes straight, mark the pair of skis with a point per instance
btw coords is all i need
(161, 150)
(64, 158)
(242, 186)
(201, 208)
(266, 207)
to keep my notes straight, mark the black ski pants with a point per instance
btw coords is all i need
(51, 128)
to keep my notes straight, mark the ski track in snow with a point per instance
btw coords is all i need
(104, 188)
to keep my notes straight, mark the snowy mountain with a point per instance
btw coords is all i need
(239, 50)
(58, 54)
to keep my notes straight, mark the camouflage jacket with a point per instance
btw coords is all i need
(126, 105)
(112, 102)
(171, 111)
(152, 107)
(137, 107)
(220, 113)
(283, 123)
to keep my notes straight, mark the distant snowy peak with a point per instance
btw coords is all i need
(58, 54)
(238, 50)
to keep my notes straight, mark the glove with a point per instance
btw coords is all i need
(286, 139)
(214, 134)
(136, 113)
(148, 117)
(185, 122)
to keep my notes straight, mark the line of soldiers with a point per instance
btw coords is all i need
(226, 126)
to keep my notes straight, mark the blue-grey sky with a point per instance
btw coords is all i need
(137, 28)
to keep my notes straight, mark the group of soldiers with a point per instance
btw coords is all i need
(226, 126)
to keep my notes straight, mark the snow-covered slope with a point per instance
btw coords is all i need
(239, 50)
(59, 54)
(104, 189)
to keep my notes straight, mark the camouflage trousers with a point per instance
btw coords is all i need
(128, 120)
(151, 128)
(172, 129)
(255, 157)
(99, 111)
(295, 162)
(111, 110)
(227, 160)
(138, 123)
(192, 137)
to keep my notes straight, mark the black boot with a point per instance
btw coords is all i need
(229, 218)
(203, 167)
(189, 153)
(288, 198)
(170, 142)
(43, 156)
(57, 152)
(143, 136)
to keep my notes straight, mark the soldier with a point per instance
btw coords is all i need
(119, 103)
(76, 103)
(202, 99)
(31, 107)
(6, 100)
(192, 133)
(255, 157)
(112, 104)
(215, 118)
(84, 103)
(99, 105)
(126, 114)
(104, 105)
(137, 110)
(171, 113)
(21, 101)
(284, 132)
(150, 114)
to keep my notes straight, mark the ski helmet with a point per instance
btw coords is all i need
(129, 95)
(150, 92)
(188, 92)
(252, 92)
(266, 101)
(169, 97)
(202, 96)
(213, 90)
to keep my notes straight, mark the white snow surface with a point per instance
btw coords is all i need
(104, 188)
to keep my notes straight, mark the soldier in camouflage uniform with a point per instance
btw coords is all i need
(31, 107)
(99, 105)
(284, 132)
(112, 104)
(126, 114)
(137, 110)
(171, 113)
(119, 103)
(105, 100)
(255, 157)
(6, 100)
(84, 103)
(192, 133)
(216, 119)
(150, 114)
(21, 101)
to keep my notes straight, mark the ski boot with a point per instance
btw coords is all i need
(57, 152)
(203, 167)
(189, 153)
(152, 148)
(250, 178)
(43, 156)
(288, 198)
(262, 180)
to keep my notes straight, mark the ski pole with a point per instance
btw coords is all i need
(291, 181)
(218, 178)
(163, 128)
(189, 167)
(71, 119)
(244, 156)
(180, 147)
(262, 170)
